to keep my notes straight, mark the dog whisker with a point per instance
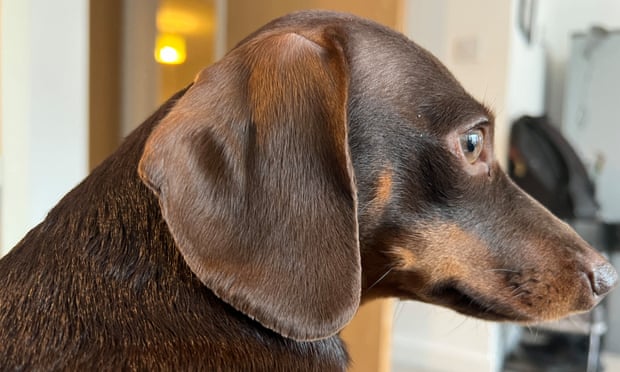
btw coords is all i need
(397, 311)
(520, 294)
(573, 322)
(380, 278)
(457, 326)
(516, 290)
(503, 270)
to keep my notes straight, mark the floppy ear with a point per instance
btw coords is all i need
(255, 182)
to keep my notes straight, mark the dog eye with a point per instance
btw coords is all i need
(471, 144)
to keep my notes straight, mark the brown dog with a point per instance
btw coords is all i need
(325, 160)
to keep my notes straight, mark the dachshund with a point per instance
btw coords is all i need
(323, 162)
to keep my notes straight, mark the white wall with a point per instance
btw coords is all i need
(431, 338)
(475, 46)
(44, 98)
(15, 33)
(526, 73)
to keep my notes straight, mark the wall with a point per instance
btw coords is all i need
(44, 99)
(431, 338)
(526, 74)
(15, 32)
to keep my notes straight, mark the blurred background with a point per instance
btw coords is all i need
(76, 76)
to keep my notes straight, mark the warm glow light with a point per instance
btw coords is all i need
(170, 49)
(168, 54)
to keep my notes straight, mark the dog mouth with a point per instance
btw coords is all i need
(469, 302)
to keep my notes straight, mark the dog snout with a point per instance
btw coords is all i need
(603, 278)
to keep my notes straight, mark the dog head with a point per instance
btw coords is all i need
(328, 160)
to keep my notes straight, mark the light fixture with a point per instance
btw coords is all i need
(170, 49)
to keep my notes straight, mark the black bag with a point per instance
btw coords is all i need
(546, 166)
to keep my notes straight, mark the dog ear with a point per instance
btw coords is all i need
(255, 181)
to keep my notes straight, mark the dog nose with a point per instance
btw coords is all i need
(603, 279)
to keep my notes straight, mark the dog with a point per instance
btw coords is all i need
(325, 161)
